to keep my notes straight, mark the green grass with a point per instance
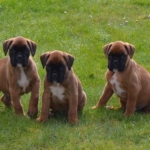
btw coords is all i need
(81, 28)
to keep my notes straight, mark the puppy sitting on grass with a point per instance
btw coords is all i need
(62, 88)
(128, 80)
(18, 75)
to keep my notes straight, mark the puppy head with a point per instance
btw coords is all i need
(57, 63)
(19, 50)
(118, 54)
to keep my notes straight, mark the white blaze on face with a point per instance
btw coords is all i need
(116, 85)
(58, 91)
(23, 81)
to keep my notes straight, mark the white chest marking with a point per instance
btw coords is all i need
(58, 91)
(116, 85)
(23, 81)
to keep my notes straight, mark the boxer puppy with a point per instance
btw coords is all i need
(128, 80)
(62, 88)
(18, 75)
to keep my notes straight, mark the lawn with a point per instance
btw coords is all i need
(81, 28)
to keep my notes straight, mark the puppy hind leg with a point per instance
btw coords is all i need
(6, 100)
(83, 101)
(15, 98)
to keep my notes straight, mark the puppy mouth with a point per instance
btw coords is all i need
(117, 62)
(19, 65)
(115, 70)
(115, 66)
(21, 61)
(55, 79)
(55, 82)
(55, 76)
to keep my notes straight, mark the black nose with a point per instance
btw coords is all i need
(19, 57)
(54, 75)
(115, 62)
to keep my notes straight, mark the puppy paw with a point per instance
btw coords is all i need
(127, 114)
(73, 121)
(110, 107)
(19, 112)
(40, 119)
(94, 107)
(32, 114)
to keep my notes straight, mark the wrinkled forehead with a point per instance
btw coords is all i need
(19, 48)
(56, 59)
(19, 44)
(118, 48)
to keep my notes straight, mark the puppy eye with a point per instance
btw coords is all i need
(61, 68)
(26, 52)
(123, 56)
(12, 51)
(48, 68)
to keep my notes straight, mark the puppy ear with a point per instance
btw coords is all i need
(7, 45)
(106, 48)
(32, 46)
(44, 57)
(69, 60)
(130, 49)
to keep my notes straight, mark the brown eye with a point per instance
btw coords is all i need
(123, 56)
(12, 51)
(62, 68)
(48, 68)
(27, 52)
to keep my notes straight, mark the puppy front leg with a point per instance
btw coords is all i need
(45, 107)
(73, 107)
(131, 104)
(122, 104)
(33, 104)
(15, 97)
(107, 93)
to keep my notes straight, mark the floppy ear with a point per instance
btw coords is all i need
(69, 60)
(130, 49)
(44, 57)
(32, 46)
(7, 45)
(106, 48)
